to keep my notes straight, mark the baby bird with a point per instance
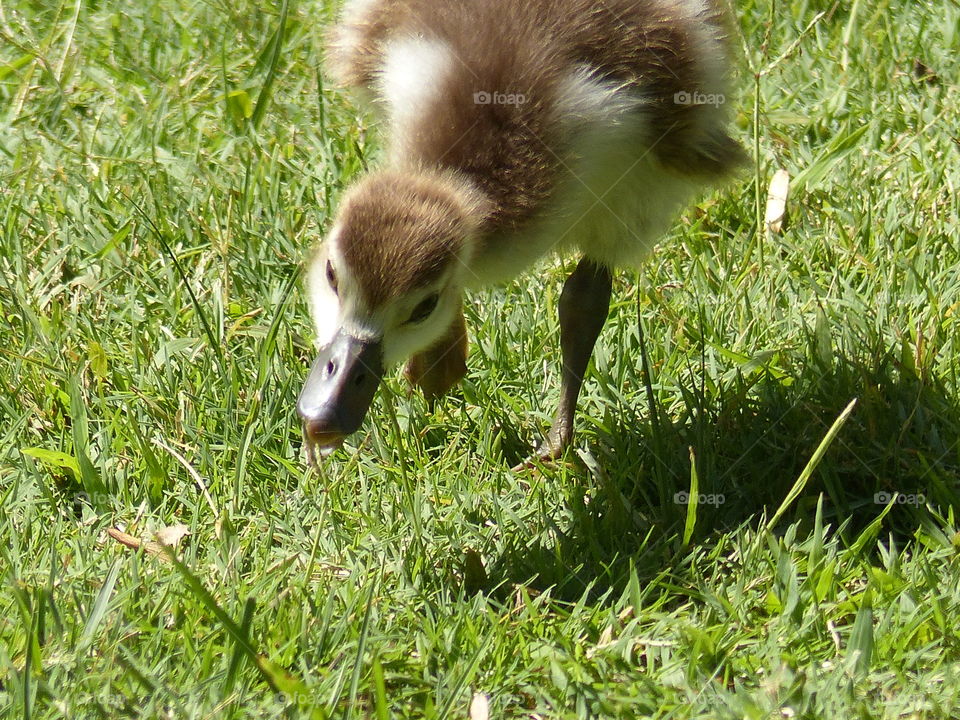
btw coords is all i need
(514, 129)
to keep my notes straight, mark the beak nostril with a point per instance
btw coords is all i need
(339, 390)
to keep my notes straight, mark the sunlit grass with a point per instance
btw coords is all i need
(157, 196)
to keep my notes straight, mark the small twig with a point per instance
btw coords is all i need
(135, 543)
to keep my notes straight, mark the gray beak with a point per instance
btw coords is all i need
(338, 392)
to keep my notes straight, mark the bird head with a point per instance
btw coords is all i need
(386, 283)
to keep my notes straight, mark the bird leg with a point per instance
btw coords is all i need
(441, 366)
(584, 305)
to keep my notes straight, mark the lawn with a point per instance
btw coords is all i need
(164, 169)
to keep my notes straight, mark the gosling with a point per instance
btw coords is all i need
(514, 129)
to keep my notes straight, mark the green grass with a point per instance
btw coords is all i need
(164, 168)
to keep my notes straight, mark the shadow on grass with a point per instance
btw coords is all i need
(751, 444)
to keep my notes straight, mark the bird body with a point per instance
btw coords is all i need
(513, 130)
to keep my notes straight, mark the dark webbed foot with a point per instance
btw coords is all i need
(584, 305)
(436, 370)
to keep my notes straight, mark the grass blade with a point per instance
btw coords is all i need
(238, 653)
(101, 604)
(693, 501)
(860, 647)
(89, 477)
(812, 464)
(380, 691)
(361, 646)
(263, 99)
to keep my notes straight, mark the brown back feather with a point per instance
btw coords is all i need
(513, 153)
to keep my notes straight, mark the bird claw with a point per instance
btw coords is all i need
(552, 448)
(534, 462)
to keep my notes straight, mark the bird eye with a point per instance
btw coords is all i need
(332, 277)
(424, 309)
